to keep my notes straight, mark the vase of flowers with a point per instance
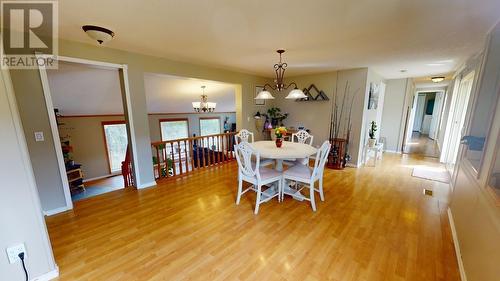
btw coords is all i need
(280, 132)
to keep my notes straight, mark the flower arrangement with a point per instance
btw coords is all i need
(280, 132)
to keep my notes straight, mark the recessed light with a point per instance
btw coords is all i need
(403, 70)
(437, 79)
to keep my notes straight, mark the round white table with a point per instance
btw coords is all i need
(289, 150)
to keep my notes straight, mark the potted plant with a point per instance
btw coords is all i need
(280, 132)
(371, 134)
(276, 116)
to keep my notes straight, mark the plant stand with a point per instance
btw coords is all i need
(337, 154)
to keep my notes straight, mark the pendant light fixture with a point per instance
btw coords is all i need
(280, 85)
(203, 105)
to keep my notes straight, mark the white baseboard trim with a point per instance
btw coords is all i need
(146, 185)
(101, 177)
(47, 276)
(352, 165)
(461, 268)
(392, 151)
(56, 211)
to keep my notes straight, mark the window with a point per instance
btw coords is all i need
(209, 126)
(172, 129)
(115, 138)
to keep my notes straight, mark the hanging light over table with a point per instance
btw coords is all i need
(204, 105)
(280, 85)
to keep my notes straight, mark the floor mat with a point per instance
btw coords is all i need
(429, 173)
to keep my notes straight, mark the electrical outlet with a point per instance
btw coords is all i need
(14, 251)
(39, 136)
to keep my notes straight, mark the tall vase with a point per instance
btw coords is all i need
(279, 142)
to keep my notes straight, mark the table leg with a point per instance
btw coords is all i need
(279, 165)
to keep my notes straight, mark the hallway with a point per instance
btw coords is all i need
(421, 144)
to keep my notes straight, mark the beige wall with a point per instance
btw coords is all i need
(34, 116)
(315, 115)
(392, 117)
(21, 218)
(87, 140)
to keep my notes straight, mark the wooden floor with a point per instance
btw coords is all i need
(422, 145)
(374, 225)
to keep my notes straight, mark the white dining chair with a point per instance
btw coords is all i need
(304, 174)
(301, 136)
(245, 135)
(251, 172)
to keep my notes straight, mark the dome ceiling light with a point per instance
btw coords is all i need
(100, 34)
(437, 79)
(280, 85)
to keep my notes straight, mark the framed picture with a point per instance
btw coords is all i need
(373, 98)
(258, 89)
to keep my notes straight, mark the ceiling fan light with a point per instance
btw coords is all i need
(437, 79)
(296, 94)
(264, 95)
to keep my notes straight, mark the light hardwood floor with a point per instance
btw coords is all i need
(422, 145)
(374, 225)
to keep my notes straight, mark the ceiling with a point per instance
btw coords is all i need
(426, 82)
(171, 94)
(78, 89)
(424, 37)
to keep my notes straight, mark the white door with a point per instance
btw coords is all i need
(419, 113)
(436, 116)
(458, 119)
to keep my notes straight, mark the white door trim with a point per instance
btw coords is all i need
(122, 69)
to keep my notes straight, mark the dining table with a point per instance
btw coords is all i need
(288, 151)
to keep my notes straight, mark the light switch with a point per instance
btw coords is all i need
(39, 136)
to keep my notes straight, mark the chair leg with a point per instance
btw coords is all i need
(257, 201)
(240, 186)
(321, 195)
(311, 196)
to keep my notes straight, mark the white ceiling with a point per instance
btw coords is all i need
(78, 89)
(171, 94)
(424, 37)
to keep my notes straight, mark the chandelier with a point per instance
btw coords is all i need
(204, 105)
(280, 85)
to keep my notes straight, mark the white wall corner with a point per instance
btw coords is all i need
(146, 185)
(461, 268)
(47, 276)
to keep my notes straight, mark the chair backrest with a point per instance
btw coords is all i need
(244, 153)
(321, 157)
(302, 137)
(243, 135)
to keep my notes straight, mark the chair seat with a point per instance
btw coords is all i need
(299, 171)
(267, 173)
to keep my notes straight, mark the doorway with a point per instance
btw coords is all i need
(458, 110)
(424, 124)
(83, 97)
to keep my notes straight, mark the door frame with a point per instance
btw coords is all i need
(126, 100)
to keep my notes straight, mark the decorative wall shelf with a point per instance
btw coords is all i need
(314, 94)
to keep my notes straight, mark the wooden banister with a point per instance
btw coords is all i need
(181, 156)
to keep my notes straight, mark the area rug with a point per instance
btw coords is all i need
(434, 174)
